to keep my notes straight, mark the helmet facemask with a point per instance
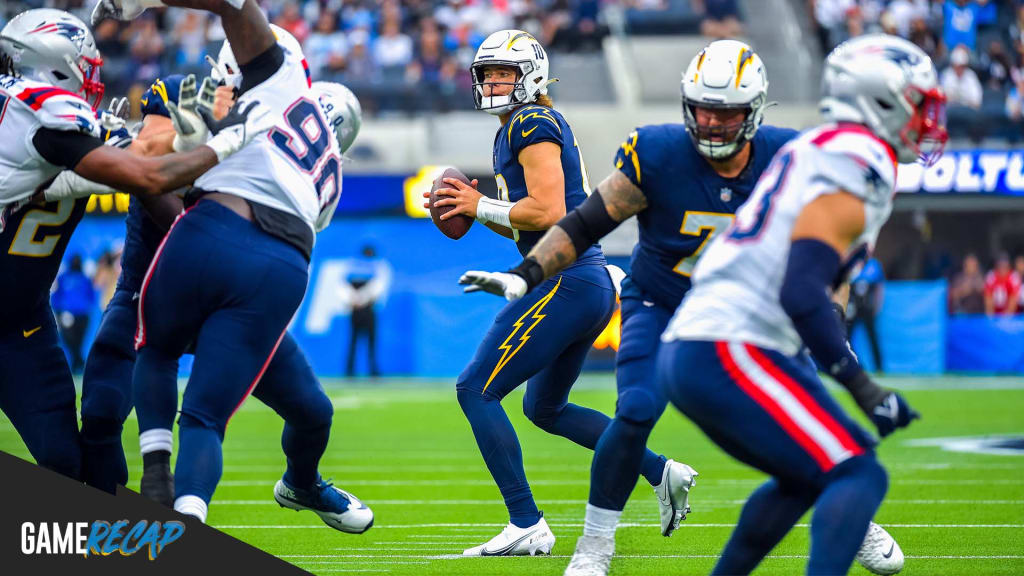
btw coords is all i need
(723, 141)
(925, 132)
(92, 87)
(500, 104)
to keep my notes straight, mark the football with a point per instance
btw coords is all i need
(457, 226)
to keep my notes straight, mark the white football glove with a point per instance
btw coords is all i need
(190, 130)
(121, 9)
(511, 286)
(115, 117)
(231, 133)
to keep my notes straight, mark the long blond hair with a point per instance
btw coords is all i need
(544, 100)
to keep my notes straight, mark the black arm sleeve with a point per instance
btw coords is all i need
(587, 223)
(261, 67)
(64, 148)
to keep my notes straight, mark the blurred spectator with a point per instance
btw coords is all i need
(146, 46)
(721, 18)
(392, 51)
(190, 38)
(108, 269)
(1002, 288)
(867, 290)
(925, 38)
(432, 71)
(967, 291)
(960, 24)
(291, 20)
(905, 12)
(996, 66)
(963, 96)
(73, 301)
(326, 48)
(1018, 268)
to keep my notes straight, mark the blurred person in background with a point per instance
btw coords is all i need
(291, 20)
(73, 300)
(926, 38)
(721, 18)
(326, 47)
(960, 23)
(1002, 288)
(867, 291)
(963, 94)
(369, 277)
(1018, 268)
(431, 68)
(107, 271)
(967, 291)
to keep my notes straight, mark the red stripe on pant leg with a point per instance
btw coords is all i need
(140, 328)
(773, 409)
(812, 406)
(256, 380)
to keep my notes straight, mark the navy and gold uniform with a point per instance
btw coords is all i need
(688, 203)
(36, 389)
(542, 338)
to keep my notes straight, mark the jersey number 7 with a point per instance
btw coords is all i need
(698, 224)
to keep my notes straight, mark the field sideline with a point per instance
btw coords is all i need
(406, 450)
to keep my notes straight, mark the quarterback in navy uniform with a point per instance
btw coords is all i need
(541, 339)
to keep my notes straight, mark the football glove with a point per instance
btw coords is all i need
(121, 9)
(190, 130)
(231, 133)
(892, 413)
(511, 286)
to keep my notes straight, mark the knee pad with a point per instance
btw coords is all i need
(638, 406)
(106, 401)
(542, 416)
(865, 467)
(187, 420)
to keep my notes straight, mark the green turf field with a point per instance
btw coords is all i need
(405, 449)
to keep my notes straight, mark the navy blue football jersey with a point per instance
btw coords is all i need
(530, 125)
(688, 203)
(142, 236)
(31, 248)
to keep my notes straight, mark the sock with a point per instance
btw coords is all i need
(600, 522)
(583, 426)
(155, 389)
(842, 514)
(500, 448)
(191, 505)
(156, 440)
(103, 462)
(303, 449)
(199, 464)
(770, 513)
(619, 459)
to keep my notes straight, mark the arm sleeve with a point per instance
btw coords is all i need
(63, 148)
(531, 125)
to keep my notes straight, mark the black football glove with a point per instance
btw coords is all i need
(892, 413)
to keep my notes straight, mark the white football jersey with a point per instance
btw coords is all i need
(296, 166)
(25, 107)
(735, 296)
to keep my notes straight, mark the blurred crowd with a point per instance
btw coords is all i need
(995, 293)
(80, 288)
(977, 46)
(403, 55)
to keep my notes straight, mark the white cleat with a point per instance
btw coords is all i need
(593, 557)
(674, 495)
(879, 553)
(516, 541)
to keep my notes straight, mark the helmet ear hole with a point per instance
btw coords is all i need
(59, 75)
(884, 105)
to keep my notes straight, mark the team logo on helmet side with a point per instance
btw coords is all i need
(73, 33)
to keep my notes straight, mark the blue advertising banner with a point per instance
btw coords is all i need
(967, 172)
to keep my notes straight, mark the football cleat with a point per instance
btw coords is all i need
(674, 495)
(337, 508)
(593, 557)
(879, 553)
(516, 541)
(157, 483)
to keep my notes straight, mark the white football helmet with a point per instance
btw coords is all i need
(726, 74)
(889, 85)
(342, 109)
(519, 50)
(55, 47)
(227, 69)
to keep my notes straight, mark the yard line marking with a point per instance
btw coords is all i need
(709, 502)
(578, 525)
(777, 556)
(586, 482)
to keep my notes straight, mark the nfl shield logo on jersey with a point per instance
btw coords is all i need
(725, 194)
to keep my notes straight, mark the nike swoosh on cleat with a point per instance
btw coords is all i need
(27, 333)
(508, 548)
(892, 547)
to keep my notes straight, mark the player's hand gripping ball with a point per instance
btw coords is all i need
(445, 197)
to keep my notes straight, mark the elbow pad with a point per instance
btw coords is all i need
(587, 223)
(811, 269)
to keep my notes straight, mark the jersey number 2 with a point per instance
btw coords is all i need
(25, 243)
(697, 224)
(307, 152)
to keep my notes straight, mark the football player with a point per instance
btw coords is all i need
(731, 357)
(50, 66)
(253, 221)
(544, 338)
